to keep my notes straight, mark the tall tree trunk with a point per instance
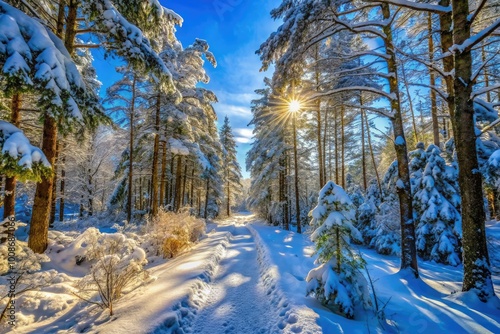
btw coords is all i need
(296, 162)
(131, 152)
(53, 200)
(178, 174)
(207, 194)
(408, 247)
(191, 196)
(477, 274)
(321, 163)
(336, 134)
(156, 152)
(434, 111)
(228, 204)
(486, 75)
(446, 34)
(62, 184)
(325, 136)
(342, 142)
(410, 103)
(371, 150)
(363, 149)
(184, 180)
(163, 177)
(9, 206)
(39, 226)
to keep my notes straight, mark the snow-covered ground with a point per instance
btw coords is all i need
(246, 277)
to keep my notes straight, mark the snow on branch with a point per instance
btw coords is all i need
(19, 157)
(472, 41)
(484, 90)
(32, 58)
(424, 7)
(353, 88)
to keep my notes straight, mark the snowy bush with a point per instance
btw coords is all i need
(170, 233)
(116, 265)
(387, 239)
(337, 282)
(386, 229)
(367, 211)
(436, 204)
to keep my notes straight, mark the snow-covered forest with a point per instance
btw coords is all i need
(370, 198)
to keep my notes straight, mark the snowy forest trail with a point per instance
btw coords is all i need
(237, 300)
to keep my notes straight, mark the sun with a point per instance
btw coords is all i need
(294, 106)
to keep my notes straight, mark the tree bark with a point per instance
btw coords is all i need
(477, 274)
(363, 113)
(62, 185)
(53, 199)
(434, 111)
(408, 248)
(131, 152)
(363, 149)
(178, 174)
(156, 149)
(342, 142)
(9, 206)
(336, 125)
(163, 177)
(39, 225)
(296, 162)
(410, 103)
(207, 194)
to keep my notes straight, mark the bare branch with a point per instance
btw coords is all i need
(472, 17)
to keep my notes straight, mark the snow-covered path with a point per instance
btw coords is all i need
(237, 301)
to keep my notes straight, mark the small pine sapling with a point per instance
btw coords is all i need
(337, 282)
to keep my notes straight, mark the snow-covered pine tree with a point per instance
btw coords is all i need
(231, 170)
(267, 162)
(124, 97)
(337, 282)
(437, 203)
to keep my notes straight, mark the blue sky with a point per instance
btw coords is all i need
(234, 30)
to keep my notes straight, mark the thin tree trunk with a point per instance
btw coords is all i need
(191, 197)
(184, 180)
(207, 193)
(486, 74)
(178, 174)
(156, 149)
(325, 136)
(408, 247)
(9, 206)
(336, 149)
(62, 184)
(54, 189)
(477, 274)
(163, 178)
(363, 149)
(90, 194)
(296, 162)
(434, 111)
(410, 102)
(131, 152)
(371, 151)
(342, 142)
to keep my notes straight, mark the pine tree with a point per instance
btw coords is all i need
(337, 282)
(230, 169)
(437, 204)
